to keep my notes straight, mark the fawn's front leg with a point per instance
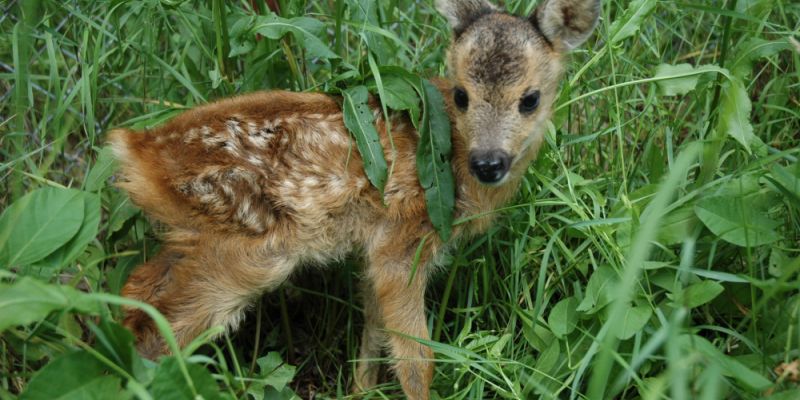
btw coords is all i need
(400, 302)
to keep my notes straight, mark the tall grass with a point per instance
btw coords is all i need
(652, 252)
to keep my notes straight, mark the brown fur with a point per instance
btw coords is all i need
(253, 186)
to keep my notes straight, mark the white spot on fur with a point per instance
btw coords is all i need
(254, 160)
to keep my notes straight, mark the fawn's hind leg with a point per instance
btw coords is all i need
(148, 283)
(199, 286)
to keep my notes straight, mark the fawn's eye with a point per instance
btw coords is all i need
(461, 98)
(529, 102)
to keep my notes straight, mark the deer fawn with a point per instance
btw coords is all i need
(253, 186)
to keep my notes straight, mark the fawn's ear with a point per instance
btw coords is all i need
(566, 23)
(462, 13)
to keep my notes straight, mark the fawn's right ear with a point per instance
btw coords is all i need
(462, 13)
(566, 23)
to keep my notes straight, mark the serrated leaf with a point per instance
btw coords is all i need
(633, 320)
(102, 169)
(680, 79)
(274, 371)
(77, 376)
(631, 19)
(28, 300)
(38, 223)
(701, 293)
(359, 121)
(170, 384)
(563, 317)
(433, 161)
(303, 29)
(736, 222)
(241, 39)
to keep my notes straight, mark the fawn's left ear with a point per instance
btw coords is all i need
(462, 13)
(566, 23)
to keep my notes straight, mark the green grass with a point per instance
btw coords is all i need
(652, 252)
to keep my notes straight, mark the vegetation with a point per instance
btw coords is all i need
(652, 252)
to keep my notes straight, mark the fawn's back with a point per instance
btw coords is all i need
(277, 166)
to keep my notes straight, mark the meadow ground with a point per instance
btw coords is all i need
(652, 252)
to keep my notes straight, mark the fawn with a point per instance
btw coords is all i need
(253, 186)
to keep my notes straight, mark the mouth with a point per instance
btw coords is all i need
(489, 167)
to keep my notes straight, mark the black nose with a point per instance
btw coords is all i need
(489, 166)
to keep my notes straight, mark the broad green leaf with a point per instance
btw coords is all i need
(29, 300)
(729, 366)
(39, 223)
(677, 225)
(664, 279)
(303, 29)
(169, 383)
(737, 221)
(400, 95)
(563, 317)
(734, 114)
(120, 211)
(116, 343)
(77, 376)
(359, 121)
(680, 79)
(88, 231)
(634, 319)
(537, 335)
(599, 290)
(274, 371)
(631, 19)
(753, 49)
(433, 161)
(402, 98)
(787, 181)
(102, 169)
(701, 293)
(540, 382)
(241, 39)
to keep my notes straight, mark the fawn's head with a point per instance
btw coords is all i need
(506, 71)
